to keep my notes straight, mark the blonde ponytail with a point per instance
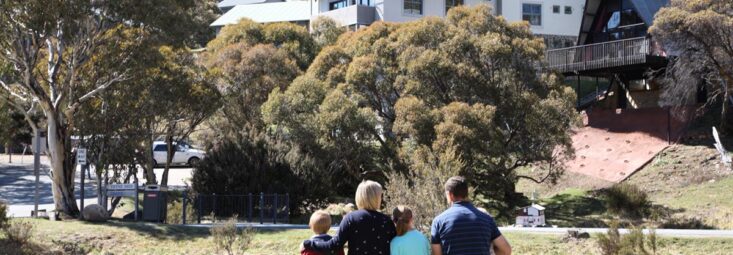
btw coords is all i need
(402, 215)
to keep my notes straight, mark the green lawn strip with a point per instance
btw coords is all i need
(145, 238)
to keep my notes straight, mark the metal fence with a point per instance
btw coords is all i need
(262, 208)
(600, 55)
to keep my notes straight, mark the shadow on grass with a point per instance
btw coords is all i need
(159, 231)
(13, 248)
(169, 232)
(570, 210)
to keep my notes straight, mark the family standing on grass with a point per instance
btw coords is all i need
(461, 229)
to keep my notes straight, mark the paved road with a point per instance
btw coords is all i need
(17, 184)
(693, 233)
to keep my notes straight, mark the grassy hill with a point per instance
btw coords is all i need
(687, 180)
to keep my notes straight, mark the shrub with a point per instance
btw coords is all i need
(71, 248)
(175, 212)
(19, 232)
(3, 215)
(422, 188)
(244, 166)
(227, 238)
(633, 243)
(626, 200)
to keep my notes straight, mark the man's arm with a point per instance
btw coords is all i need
(437, 249)
(501, 246)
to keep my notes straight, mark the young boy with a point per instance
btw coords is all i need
(320, 223)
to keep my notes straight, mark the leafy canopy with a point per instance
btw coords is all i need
(404, 97)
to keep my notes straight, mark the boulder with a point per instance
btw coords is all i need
(95, 213)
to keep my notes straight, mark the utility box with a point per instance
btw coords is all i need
(155, 203)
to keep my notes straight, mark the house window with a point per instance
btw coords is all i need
(532, 13)
(555, 9)
(338, 4)
(413, 7)
(452, 3)
(568, 10)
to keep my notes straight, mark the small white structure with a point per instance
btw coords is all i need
(531, 216)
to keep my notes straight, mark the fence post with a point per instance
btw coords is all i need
(262, 207)
(185, 202)
(287, 207)
(200, 209)
(213, 209)
(249, 208)
(275, 209)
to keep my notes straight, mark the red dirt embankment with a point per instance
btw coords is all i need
(614, 144)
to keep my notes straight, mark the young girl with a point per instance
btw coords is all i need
(408, 240)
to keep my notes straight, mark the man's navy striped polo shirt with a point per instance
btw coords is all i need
(463, 229)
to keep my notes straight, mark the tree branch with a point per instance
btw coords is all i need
(7, 88)
(96, 91)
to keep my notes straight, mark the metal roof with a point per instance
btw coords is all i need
(266, 12)
(232, 3)
(647, 8)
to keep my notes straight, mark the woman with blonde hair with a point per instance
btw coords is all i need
(366, 230)
(408, 241)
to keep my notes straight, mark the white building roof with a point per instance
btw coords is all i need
(538, 207)
(264, 13)
(232, 3)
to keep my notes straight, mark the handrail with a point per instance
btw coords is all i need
(599, 55)
(599, 43)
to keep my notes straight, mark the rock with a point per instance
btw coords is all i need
(95, 213)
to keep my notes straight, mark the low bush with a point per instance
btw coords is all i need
(626, 200)
(71, 248)
(175, 208)
(3, 215)
(19, 232)
(633, 243)
(244, 166)
(227, 238)
(175, 213)
(421, 190)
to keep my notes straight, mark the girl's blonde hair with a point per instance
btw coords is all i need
(402, 215)
(369, 195)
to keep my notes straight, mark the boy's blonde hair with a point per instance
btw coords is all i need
(369, 195)
(320, 222)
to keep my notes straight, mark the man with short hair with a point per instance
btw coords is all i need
(463, 229)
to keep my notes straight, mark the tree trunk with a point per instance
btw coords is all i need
(149, 170)
(171, 151)
(63, 171)
(9, 151)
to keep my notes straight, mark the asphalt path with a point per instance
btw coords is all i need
(17, 184)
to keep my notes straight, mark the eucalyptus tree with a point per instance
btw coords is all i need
(54, 47)
(459, 94)
(700, 35)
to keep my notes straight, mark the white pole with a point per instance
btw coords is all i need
(36, 169)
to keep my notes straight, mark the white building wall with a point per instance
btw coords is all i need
(552, 23)
(392, 11)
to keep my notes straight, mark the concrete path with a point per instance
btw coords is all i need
(693, 233)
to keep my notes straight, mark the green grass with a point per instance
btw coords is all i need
(144, 238)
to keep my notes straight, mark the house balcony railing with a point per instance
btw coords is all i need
(598, 56)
